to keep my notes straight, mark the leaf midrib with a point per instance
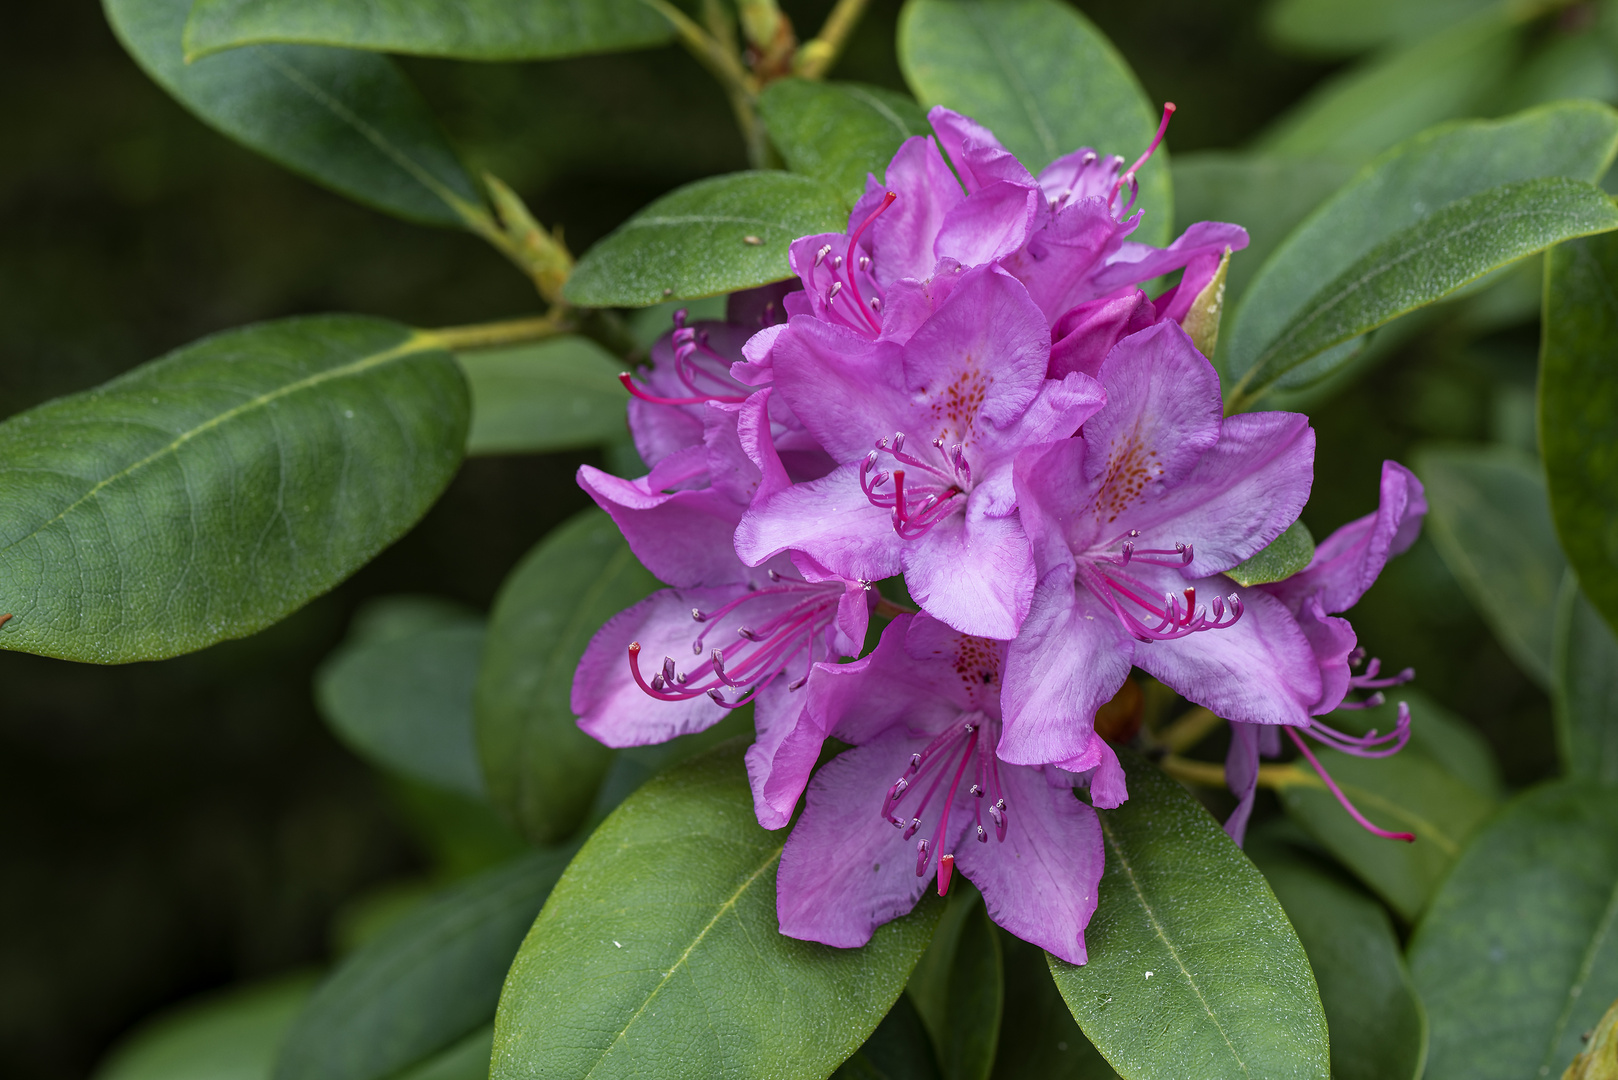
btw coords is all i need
(724, 908)
(1576, 990)
(416, 342)
(1117, 852)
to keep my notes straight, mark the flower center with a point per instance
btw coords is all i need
(834, 273)
(701, 369)
(1132, 600)
(967, 744)
(920, 493)
(791, 619)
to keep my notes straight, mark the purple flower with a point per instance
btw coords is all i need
(922, 711)
(925, 435)
(1344, 566)
(1063, 234)
(1133, 523)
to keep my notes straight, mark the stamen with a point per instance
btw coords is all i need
(1331, 785)
(628, 381)
(946, 867)
(1128, 176)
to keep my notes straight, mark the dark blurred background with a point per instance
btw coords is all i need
(173, 827)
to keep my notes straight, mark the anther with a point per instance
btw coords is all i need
(697, 614)
(821, 254)
(983, 835)
(921, 856)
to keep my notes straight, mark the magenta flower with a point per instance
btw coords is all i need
(925, 434)
(1133, 523)
(1344, 566)
(922, 711)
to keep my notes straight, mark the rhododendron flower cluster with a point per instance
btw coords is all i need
(971, 389)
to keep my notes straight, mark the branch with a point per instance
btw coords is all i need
(820, 53)
(506, 332)
(1207, 774)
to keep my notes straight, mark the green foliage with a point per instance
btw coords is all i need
(1428, 261)
(1341, 27)
(542, 771)
(464, 1060)
(1576, 140)
(466, 30)
(403, 701)
(348, 120)
(663, 934)
(1043, 79)
(424, 984)
(1490, 521)
(1584, 665)
(1286, 555)
(1436, 734)
(839, 132)
(229, 1036)
(1365, 110)
(1192, 963)
(716, 235)
(1378, 1026)
(1039, 1039)
(1516, 958)
(1578, 412)
(209, 493)
(1404, 793)
(559, 394)
(958, 988)
(897, 1050)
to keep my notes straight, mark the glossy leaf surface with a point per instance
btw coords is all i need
(839, 132)
(659, 954)
(1428, 261)
(1518, 955)
(348, 120)
(404, 701)
(1571, 139)
(1340, 27)
(1490, 520)
(554, 395)
(1041, 77)
(898, 1049)
(1193, 967)
(228, 1036)
(713, 236)
(1578, 402)
(209, 493)
(425, 983)
(1402, 793)
(1585, 688)
(466, 30)
(541, 769)
(1378, 1026)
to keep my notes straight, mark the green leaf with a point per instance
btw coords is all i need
(838, 132)
(1266, 196)
(1437, 734)
(1428, 261)
(1576, 140)
(1286, 555)
(1038, 1037)
(897, 1050)
(425, 983)
(1489, 519)
(404, 701)
(662, 934)
(1578, 396)
(1378, 1026)
(1585, 691)
(717, 235)
(1042, 78)
(227, 1036)
(1402, 793)
(1518, 955)
(465, 1060)
(958, 987)
(466, 30)
(1363, 111)
(207, 494)
(555, 395)
(347, 120)
(1192, 963)
(541, 769)
(1344, 27)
